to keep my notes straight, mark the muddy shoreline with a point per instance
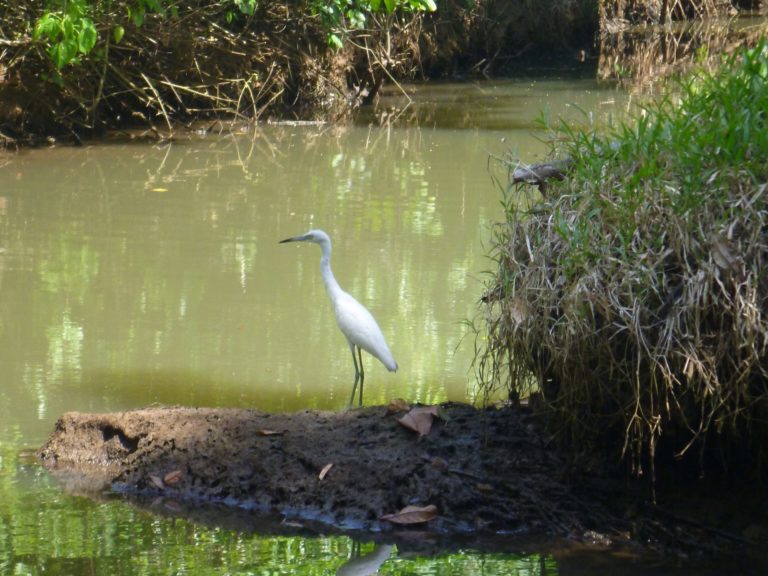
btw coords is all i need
(488, 472)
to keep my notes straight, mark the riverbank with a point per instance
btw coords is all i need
(631, 290)
(474, 471)
(100, 66)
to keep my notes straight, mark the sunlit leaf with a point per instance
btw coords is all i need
(412, 515)
(67, 27)
(87, 36)
(48, 26)
(64, 52)
(117, 33)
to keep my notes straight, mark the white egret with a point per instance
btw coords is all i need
(357, 324)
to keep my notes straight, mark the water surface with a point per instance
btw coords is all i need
(136, 273)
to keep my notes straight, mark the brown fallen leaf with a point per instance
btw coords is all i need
(157, 481)
(266, 432)
(412, 515)
(397, 405)
(439, 464)
(325, 470)
(172, 478)
(420, 419)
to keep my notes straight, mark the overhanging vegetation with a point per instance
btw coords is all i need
(634, 295)
(75, 68)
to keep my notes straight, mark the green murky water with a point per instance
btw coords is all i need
(133, 274)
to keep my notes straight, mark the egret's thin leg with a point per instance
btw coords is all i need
(357, 375)
(362, 373)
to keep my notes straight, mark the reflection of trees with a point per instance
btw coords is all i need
(148, 273)
(43, 531)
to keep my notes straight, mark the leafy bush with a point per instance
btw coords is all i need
(67, 30)
(340, 16)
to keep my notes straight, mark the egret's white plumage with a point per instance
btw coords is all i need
(354, 320)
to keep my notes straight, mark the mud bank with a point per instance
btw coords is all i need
(485, 471)
(482, 470)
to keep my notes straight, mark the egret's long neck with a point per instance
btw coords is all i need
(331, 286)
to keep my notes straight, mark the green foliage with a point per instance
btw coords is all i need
(137, 13)
(341, 16)
(683, 153)
(245, 7)
(68, 31)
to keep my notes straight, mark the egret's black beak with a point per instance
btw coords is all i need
(294, 239)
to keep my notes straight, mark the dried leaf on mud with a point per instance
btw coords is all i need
(420, 419)
(325, 470)
(157, 481)
(439, 464)
(412, 515)
(172, 478)
(397, 405)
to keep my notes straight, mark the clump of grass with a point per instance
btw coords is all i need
(634, 297)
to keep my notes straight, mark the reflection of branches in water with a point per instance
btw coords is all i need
(241, 144)
(365, 565)
(639, 58)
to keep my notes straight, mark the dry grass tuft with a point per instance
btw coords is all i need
(634, 297)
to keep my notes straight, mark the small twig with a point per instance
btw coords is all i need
(103, 75)
(159, 101)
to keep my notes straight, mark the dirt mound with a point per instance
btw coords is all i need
(481, 469)
(488, 473)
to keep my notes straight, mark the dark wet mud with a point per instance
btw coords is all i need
(486, 472)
